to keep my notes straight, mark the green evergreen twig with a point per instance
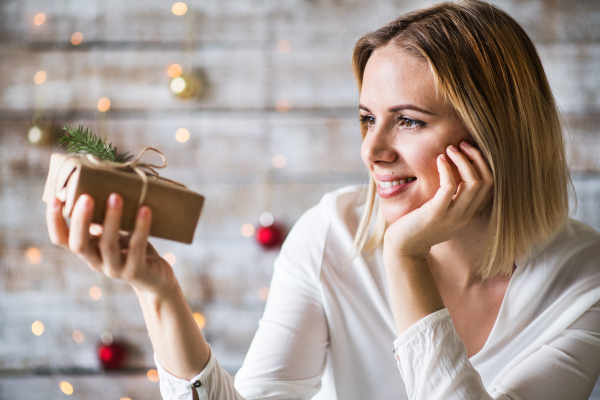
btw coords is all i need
(79, 141)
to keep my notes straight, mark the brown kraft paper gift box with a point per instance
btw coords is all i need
(175, 209)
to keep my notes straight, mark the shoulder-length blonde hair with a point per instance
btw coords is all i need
(488, 69)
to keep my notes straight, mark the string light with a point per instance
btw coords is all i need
(95, 293)
(76, 38)
(182, 135)
(66, 387)
(39, 19)
(200, 320)
(170, 258)
(279, 161)
(174, 70)
(153, 375)
(34, 255)
(34, 135)
(106, 338)
(103, 104)
(178, 85)
(284, 46)
(40, 77)
(78, 336)
(179, 8)
(282, 105)
(37, 328)
(263, 293)
(125, 398)
(248, 230)
(266, 219)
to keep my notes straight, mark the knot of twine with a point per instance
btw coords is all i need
(144, 170)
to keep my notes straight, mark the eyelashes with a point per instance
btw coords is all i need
(405, 122)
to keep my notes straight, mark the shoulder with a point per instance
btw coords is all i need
(571, 258)
(308, 238)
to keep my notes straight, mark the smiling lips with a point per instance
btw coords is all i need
(388, 188)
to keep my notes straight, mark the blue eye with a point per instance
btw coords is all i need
(366, 119)
(410, 123)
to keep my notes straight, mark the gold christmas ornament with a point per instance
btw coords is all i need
(40, 134)
(187, 85)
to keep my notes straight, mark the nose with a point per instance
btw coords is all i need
(377, 147)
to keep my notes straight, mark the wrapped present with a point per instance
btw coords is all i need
(175, 209)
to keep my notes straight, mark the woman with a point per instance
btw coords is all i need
(478, 278)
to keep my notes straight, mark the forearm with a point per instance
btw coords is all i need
(176, 338)
(413, 291)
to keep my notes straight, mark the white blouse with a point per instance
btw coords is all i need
(328, 331)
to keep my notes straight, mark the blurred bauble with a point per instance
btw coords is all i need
(270, 236)
(40, 134)
(112, 356)
(187, 85)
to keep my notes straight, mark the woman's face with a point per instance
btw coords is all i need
(408, 127)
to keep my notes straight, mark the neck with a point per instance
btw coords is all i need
(454, 262)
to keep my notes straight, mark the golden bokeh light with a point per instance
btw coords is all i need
(76, 38)
(125, 398)
(40, 77)
(284, 46)
(282, 105)
(103, 104)
(39, 19)
(37, 328)
(153, 375)
(263, 293)
(174, 70)
(279, 161)
(34, 255)
(170, 258)
(179, 8)
(95, 293)
(66, 387)
(248, 230)
(78, 336)
(200, 320)
(177, 85)
(182, 135)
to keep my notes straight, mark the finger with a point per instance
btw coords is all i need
(471, 182)
(57, 226)
(443, 197)
(79, 237)
(136, 256)
(486, 192)
(109, 241)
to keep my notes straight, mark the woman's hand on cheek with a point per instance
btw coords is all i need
(452, 207)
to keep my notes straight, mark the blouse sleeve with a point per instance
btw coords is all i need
(286, 359)
(434, 364)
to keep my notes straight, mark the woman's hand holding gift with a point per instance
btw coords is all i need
(128, 258)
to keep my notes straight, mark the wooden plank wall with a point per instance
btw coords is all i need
(235, 131)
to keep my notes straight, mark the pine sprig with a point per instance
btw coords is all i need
(79, 141)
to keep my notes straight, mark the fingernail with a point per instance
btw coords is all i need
(86, 202)
(453, 148)
(443, 157)
(144, 212)
(55, 203)
(465, 144)
(114, 200)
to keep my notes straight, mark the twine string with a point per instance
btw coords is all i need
(143, 169)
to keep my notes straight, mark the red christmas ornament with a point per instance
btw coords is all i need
(112, 356)
(269, 236)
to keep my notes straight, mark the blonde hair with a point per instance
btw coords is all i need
(488, 69)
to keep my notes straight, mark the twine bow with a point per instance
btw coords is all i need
(144, 170)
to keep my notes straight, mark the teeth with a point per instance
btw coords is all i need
(389, 184)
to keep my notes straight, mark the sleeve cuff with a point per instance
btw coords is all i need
(418, 327)
(167, 379)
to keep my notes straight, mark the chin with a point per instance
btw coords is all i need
(392, 213)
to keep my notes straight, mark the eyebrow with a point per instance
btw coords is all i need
(400, 108)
